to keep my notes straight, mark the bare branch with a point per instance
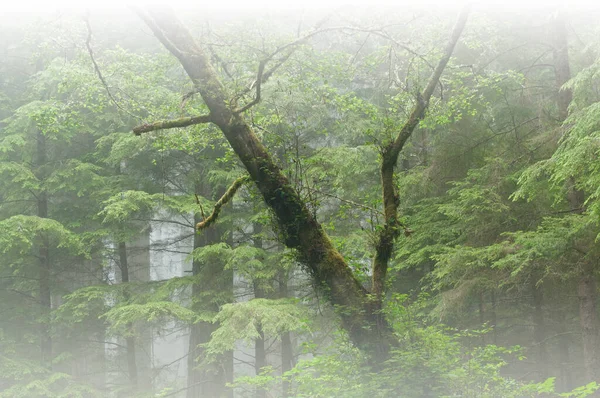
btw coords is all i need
(88, 44)
(170, 124)
(258, 82)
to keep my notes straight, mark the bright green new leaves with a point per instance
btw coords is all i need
(20, 234)
(240, 321)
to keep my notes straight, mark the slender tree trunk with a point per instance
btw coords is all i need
(539, 329)
(587, 289)
(260, 354)
(130, 343)
(493, 318)
(45, 295)
(562, 69)
(287, 352)
(588, 313)
(566, 381)
(207, 380)
(481, 312)
(260, 359)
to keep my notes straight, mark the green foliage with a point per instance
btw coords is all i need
(240, 321)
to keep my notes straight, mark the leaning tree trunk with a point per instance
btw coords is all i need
(360, 314)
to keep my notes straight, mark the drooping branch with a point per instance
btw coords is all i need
(170, 124)
(392, 227)
(227, 196)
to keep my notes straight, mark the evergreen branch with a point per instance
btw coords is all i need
(170, 124)
(208, 221)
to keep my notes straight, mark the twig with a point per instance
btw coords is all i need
(88, 44)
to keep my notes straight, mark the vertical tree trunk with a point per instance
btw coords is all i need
(587, 290)
(561, 65)
(207, 380)
(566, 381)
(45, 295)
(481, 312)
(493, 318)
(130, 343)
(260, 359)
(260, 354)
(539, 330)
(287, 352)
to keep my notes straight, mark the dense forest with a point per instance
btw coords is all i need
(351, 201)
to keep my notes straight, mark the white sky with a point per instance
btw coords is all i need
(50, 5)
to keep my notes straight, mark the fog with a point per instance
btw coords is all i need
(317, 199)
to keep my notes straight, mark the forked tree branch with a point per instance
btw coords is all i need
(392, 227)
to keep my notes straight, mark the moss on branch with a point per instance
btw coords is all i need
(170, 124)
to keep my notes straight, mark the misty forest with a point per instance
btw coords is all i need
(336, 201)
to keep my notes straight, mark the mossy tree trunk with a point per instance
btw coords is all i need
(359, 311)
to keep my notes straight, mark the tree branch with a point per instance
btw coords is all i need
(208, 221)
(392, 228)
(170, 124)
(88, 44)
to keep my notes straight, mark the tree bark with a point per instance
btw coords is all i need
(587, 288)
(207, 380)
(260, 354)
(539, 329)
(359, 314)
(287, 352)
(130, 343)
(588, 313)
(390, 153)
(566, 381)
(45, 294)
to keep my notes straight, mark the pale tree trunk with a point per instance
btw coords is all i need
(539, 329)
(360, 315)
(588, 313)
(260, 354)
(207, 380)
(566, 382)
(287, 352)
(587, 287)
(44, 292)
